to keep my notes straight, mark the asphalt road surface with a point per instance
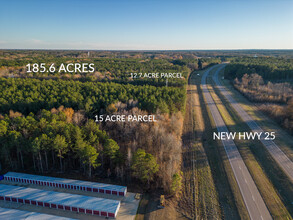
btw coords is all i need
(251, 196)
(279, 156)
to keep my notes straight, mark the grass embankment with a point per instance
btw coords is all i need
(200, 197)
(232, 205)
(207, 204)
(251, 151)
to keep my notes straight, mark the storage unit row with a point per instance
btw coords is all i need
(66, 183)
(57, 200)
(19, 214)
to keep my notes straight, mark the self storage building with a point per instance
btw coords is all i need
(57, 200)
(19, 214)
(66, 183)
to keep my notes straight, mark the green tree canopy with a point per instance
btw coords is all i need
(144, 166)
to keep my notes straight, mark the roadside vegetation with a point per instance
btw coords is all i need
(255, 89)
(266, 81)
(278, 98)
(199, 198)
(247, 149)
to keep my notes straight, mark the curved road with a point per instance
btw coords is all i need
(251, 196)
(279, 156)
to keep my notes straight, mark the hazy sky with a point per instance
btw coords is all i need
(141, 24)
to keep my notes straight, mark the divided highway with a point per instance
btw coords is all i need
(279, 156)
(251, 196)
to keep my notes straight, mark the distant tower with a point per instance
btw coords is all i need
(88, 54)
(255, 55)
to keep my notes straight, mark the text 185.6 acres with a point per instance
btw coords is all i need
(67, 68)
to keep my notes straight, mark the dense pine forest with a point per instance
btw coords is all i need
(32, 95)
(58, 139)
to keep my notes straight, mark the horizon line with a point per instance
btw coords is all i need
(145, 49)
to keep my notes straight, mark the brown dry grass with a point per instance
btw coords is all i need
(200, 197)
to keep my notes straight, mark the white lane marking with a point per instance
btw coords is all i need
(212, 105)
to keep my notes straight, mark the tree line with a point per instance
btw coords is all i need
(278, 97)
(254, 88)
(270, 68)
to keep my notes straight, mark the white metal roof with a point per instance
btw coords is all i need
(68, 181)
(8, 214)
(73, 200)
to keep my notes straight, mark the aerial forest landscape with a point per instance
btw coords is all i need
(146, 110)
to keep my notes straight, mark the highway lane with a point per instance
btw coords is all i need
(251, 196)
(279, 156)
